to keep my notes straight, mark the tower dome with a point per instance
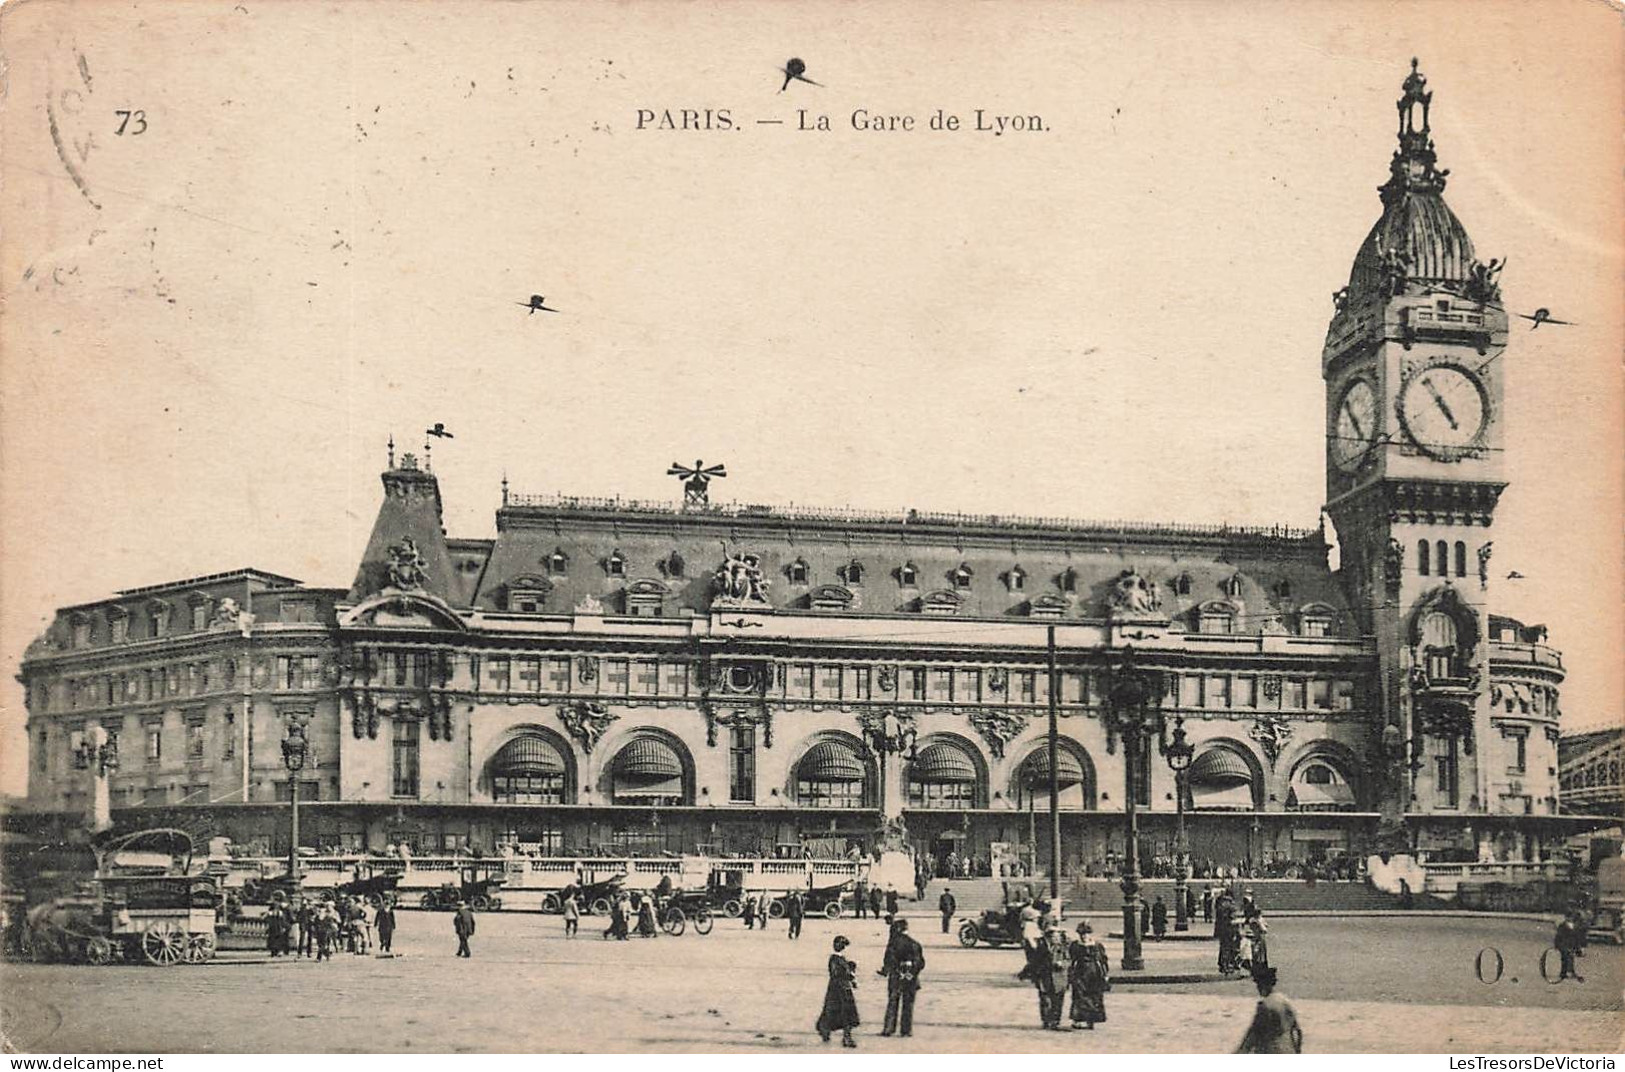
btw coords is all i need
(1418, 245)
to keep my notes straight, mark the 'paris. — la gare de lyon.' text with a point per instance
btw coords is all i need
(980, 120)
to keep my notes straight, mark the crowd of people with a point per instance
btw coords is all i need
(317, 928)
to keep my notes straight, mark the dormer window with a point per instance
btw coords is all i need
(158, 615)
(118, 620)
(81, 630)
(528, 594)
(1017, 579)
(557, 562)
(908, 575)
(961, 577)
(1182, 585)
(852, 573)
(674, 565)
(646, 598)
(615, 564)
(200, 606)
(1232, 586)
(1069, 580)
(942, 602)
(797, 571)
(1283, 589)
(1216, 617)
(1316, 620)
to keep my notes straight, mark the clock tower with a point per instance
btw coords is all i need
(1414, 438)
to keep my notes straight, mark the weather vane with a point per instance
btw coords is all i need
(696, 480)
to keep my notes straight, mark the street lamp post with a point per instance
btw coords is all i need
(1133, 712)
(295, 753)
(1178, 753)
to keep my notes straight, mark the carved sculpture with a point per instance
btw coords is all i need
(1484, 554)
(998, 679)
(739, 580)
(226, 612)
(1395, 265)
(406, 565)
(1393, 562)
(998, 728)
(738, 717)
(1393, 754)
(1133, 593)
(590, 605)
(1483, 281)
(587, 721)
(887, 676)
(1272, 734)
(586, 669)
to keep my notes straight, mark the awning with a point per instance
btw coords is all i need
(1219, 766)
(830, 761)
(1320, 796)
(647, 760)
(1068, 771)
(942, 764)
(526, 756)
(1231, 796)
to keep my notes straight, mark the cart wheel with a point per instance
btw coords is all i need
(967, 935)
(99, 951)
(496, 904)
(674, 922)
(480, 902)
(551, 903)
(703, 921)
(733, 909)
(600, 905)
(200, 949)
(775, 910)
(375, 900)
(832, 910)
(163, 942)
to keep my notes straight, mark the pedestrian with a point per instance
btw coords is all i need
(946, 905)
(646, 917)
(1207, 904)
(875, 898)
(570, 908)
(1190, 902)
(1090, 978)
(1052, 970)
(363, 927)
(1224, 931)
(1159, 918)
(1032, 932)
(748, 910)
(1145, 919)
(327, 931)
(794, 910)
(840, 1012)
(463, 924)
(1257, 931)
(386, 925)
(1567, 940)
(904, 962)
(860, 898)
(276, 929)
(764, 910)
(922, 879)
(306, 918)
(891, 903)
(1275, 1024)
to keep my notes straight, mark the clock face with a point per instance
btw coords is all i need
(1354, 426)
(1444, 410)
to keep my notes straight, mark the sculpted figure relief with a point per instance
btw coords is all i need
(1134, 593)
(740, 579)
(587, 721)
(406, 565)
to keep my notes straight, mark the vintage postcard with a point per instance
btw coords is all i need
(923, 528)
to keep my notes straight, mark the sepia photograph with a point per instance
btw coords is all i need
(766, 529)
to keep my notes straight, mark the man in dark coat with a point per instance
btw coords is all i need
(1224, 929)
(1568, 941)
(874, 901)
(1275, 1024)
(946, 905)
(860, 898)
(463, 924)
(904, 962)
(276, 930)
(1159, 918)
(385, 923)
(795, 909)
(306, 918)
(1207, 904)
(891, 903)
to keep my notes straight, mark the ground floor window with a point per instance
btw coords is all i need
(818, 794)
(957, 796)
(641, 842)
(528, 788)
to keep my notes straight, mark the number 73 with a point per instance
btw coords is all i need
(124, 127)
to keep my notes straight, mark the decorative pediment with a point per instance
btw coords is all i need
(831, 597)
(1046, 606)
(402, 610)
(943, 601)
(527, 592)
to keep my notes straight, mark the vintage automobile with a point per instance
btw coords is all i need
(997, 926)
(827, 901)
(593, 894)
(477, 889)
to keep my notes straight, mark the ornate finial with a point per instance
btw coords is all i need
(1413, 162)
(504, 487)
(392, 450)
(696, 480)
(428, 462)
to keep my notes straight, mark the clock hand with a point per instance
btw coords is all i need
(1439, 401)
(1359, 433)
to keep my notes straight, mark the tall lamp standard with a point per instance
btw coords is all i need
(1133, 712)
(295, 753)
(1178, 753)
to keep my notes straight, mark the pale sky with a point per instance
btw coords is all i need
(322, 228)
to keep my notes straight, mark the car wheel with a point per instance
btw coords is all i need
(967, 935)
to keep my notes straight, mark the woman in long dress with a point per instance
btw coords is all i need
(840, 1012)
(646, 917)
(1090, 976)
(1257, 931)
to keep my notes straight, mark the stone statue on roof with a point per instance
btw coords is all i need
(406, 565)
(739, 580)
(1133, 593)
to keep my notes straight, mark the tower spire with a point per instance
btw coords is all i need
(1412, 169)
(392, 450)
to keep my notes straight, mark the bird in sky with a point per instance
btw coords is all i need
(1514, 576)
(439, 431)
(1544, 316)
(537, 302)
(795, 70)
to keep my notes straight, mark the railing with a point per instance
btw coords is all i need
(1445, 878)
(550, 872)
(854, 515)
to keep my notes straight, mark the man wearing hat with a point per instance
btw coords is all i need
(904, 962)
(1275, 1024)
(1052, 970)
(463, 924)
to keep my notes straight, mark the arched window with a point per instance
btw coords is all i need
(528, 770)
(1220, 779)
(1017, 578)
(831, 775)
(1422, 557)
(649, 771)
(1320, 784)
(797, 571)
(942, 776)
(1461, 559)
(908, 575)
(961, 577)
(1439, 644)
(1441, 558)
(1074, 779)
(854, 572)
